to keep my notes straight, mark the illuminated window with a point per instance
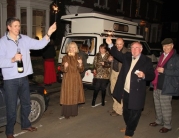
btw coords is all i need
(23, 21)
(38, 24)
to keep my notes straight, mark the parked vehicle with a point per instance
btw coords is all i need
(93, 29)
(157, 52)
(39, 103)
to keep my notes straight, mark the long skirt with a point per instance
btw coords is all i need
(69, 110)
(49, 71)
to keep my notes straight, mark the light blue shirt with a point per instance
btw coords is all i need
(8, 49)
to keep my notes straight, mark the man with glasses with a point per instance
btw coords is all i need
(166, 85)
(131, 83)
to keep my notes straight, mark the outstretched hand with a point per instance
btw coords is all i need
(52, 28)
(108, 40)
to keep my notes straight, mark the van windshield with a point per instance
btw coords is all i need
(90, 41)
(127, 44)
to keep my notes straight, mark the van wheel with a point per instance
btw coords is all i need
(108, 90)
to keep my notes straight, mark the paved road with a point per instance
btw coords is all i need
(95, 122)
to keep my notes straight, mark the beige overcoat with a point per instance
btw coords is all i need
(72, 88)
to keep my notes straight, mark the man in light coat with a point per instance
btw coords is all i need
(115, 70)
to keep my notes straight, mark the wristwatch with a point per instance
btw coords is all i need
(48, 35)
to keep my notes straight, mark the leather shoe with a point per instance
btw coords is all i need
(127, 137)
(114, 114)
(10, 136)
(164, 130)
(153, 124)
(123, 130)
(31, 129)
(111, 111)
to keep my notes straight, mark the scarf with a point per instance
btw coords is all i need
(161, 64)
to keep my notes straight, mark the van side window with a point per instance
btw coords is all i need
(127, 44)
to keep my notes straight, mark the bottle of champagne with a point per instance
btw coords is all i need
(20, 67)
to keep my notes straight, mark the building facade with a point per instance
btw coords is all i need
(147, 13)
(34, 15)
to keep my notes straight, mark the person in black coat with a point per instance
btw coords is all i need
(131, 83)
(49, 54)
(165, 85)
(83, 52)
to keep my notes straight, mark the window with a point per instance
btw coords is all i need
(120, 27)
(155, 12)
(23, 21)
(154, 34)
(127, 44)
(147, 10)
(120, 5)
(174, 27)
(97, 1)
(138, 8)
(101, 4)
(38, 23)
(78, 1)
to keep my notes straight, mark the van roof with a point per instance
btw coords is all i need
(97, 15)
(99, 23)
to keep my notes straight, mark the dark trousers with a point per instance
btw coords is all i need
(101, 84)
(14, 89)
(131, 117)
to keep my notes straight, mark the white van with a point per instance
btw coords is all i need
(93, 28)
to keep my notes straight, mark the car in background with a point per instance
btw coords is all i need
(157, 52)
(39, 103)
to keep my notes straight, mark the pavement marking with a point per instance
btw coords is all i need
(24, 131)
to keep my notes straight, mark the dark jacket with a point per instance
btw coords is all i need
(49, 52)
(119, 64)
(137, 86)
(171, 76)
(84, 60)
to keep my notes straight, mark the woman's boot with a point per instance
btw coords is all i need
(103, 95)
(95, 94)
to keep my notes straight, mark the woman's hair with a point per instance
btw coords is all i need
(84, 48)
(104, 46)
(69, 45)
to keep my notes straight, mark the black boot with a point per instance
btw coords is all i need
(103, 97)
(95, 94)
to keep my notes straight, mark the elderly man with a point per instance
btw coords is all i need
(115, 69)
(131, 83)
(165, 85)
